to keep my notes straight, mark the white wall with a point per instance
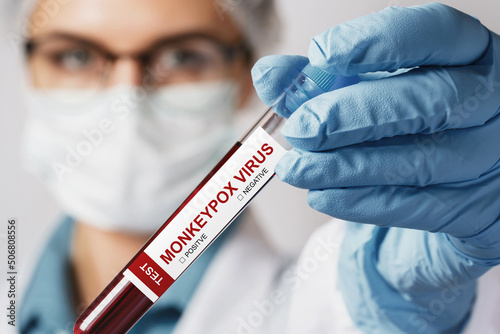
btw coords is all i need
(24, 198)
(304, 19)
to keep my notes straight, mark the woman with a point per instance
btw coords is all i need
(130, 105)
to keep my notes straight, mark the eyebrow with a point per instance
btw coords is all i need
(32, 43)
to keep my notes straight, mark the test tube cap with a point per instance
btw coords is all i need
(321, 78)
(328, 81)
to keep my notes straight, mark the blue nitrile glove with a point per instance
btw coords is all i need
(418, 150)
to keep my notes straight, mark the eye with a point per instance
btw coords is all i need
(182, 59)
(188, 60)
(74, 59)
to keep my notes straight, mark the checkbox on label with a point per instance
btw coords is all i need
(240, 197)
(182, 260)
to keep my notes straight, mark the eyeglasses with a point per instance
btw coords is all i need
(62, 61)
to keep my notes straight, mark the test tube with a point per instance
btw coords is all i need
(220, 197)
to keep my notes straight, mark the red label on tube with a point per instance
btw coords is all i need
(152, 275)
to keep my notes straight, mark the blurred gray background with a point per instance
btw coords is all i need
(21, 196)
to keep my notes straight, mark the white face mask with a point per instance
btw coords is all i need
(125, 159)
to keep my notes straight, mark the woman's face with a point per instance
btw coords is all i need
(100, 43)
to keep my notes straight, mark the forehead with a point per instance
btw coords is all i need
(127, 25)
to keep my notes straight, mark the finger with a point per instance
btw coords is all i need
(423, 100)
(272, 74)
(462, 210)
(417, 160)
(398, 37)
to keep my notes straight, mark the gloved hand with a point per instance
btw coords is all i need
(418, 150)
